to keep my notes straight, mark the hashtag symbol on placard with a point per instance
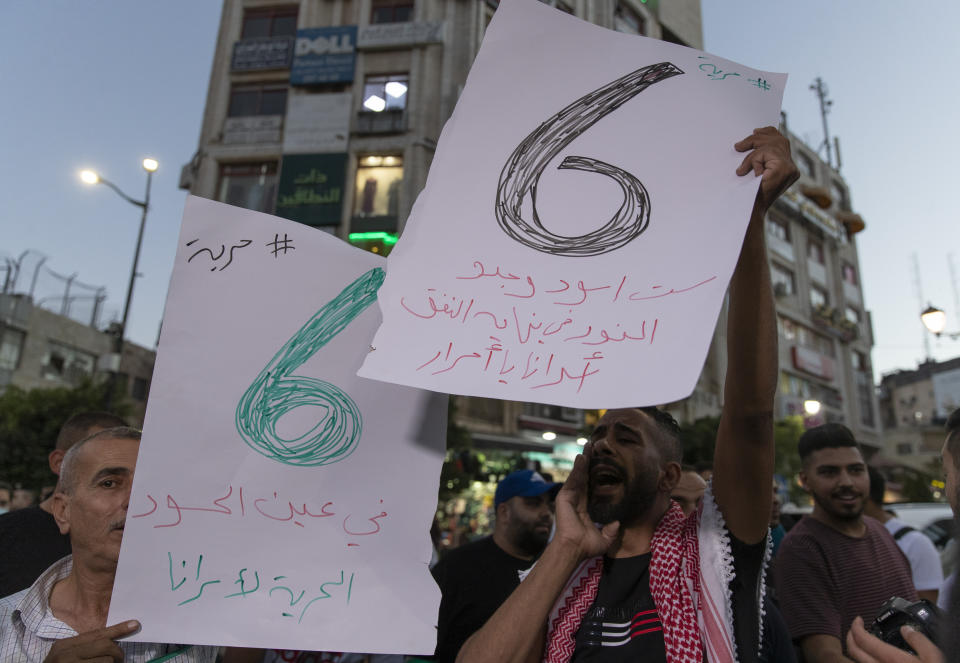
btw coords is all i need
(285, 244)
(760, 83)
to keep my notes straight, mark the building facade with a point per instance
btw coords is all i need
(328, 112)
(914, 407)
(40, 349)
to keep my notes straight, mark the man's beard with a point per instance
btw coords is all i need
(530, 542)
(639, 495)
(840, 514)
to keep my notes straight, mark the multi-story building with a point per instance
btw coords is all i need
(914, 406)
(825, 331)
(42, 349)
(328, 112)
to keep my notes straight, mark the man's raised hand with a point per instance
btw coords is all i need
(769, 157)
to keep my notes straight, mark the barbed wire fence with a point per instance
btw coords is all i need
(29, 274)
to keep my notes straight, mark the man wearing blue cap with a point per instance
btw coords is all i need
(476, 578)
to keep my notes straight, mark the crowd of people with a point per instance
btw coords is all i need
(634, 557)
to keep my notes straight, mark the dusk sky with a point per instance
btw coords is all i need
(104, 84)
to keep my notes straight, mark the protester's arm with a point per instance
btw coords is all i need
(743, 460)
(866, 648)
(823, 649)
(516, 631)
(97, 645)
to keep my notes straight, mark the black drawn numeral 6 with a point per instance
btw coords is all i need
(522, 171)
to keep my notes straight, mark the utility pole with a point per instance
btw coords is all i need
(820, 88)
(918, 289)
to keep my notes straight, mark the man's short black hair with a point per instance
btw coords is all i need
(670, 445)
(953, 436)
(878, 485)
(827, 436)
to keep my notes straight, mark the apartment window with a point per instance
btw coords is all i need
(850, 274)
(249, 185)
(779, 229)
(782, 280)
(852, 315)
(247, 100)
(806, 165)
(904, 449)
(385, 93)
(66, 364)
(378, 186)
(787, 328)
(269, 22)
(139, 389)
(815, 251)
(818, 297)
(391, 11)
(11, 346)
(860, 362)
(626, 19)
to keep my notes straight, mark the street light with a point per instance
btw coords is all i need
(811, 407)
(92, 177)
(935, 320)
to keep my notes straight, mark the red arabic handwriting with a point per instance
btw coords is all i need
(273, 508)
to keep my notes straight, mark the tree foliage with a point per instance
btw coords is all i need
(30, 421)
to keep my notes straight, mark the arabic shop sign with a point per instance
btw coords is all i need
(262, 53)
(324, 55)
(311, 188)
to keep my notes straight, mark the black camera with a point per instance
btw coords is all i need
(922, 616)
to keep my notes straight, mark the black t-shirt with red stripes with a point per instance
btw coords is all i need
(622, 625)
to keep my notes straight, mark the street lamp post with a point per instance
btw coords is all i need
(935, 320)
(91, 177)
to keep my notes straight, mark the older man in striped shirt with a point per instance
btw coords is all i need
(63, 615)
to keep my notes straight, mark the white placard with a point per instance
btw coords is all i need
(606, 292)
(317, 123)
(279, 500)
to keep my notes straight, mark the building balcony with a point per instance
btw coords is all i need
(385, 122)
(835, 323)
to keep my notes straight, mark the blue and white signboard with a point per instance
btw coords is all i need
(324, 55)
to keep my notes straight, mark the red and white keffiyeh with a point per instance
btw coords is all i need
(690, 572)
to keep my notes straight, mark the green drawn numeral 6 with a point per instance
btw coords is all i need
(277, 390)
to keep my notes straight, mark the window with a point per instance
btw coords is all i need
(269, 22)
(904, 448)
(815, 251)
(818, 297)
(850, 274)
(391, 11)
(66, 364)
(806, 165)
(250, 185)
(860, 362)
(805, 337)
(782, 280)
(779, 229)
(787, 328)
(378, 186)
(246, 100)
(865, 393)
(139, 390)
(11, 345)
(625, 19)
(852, 315)
(385, 93)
